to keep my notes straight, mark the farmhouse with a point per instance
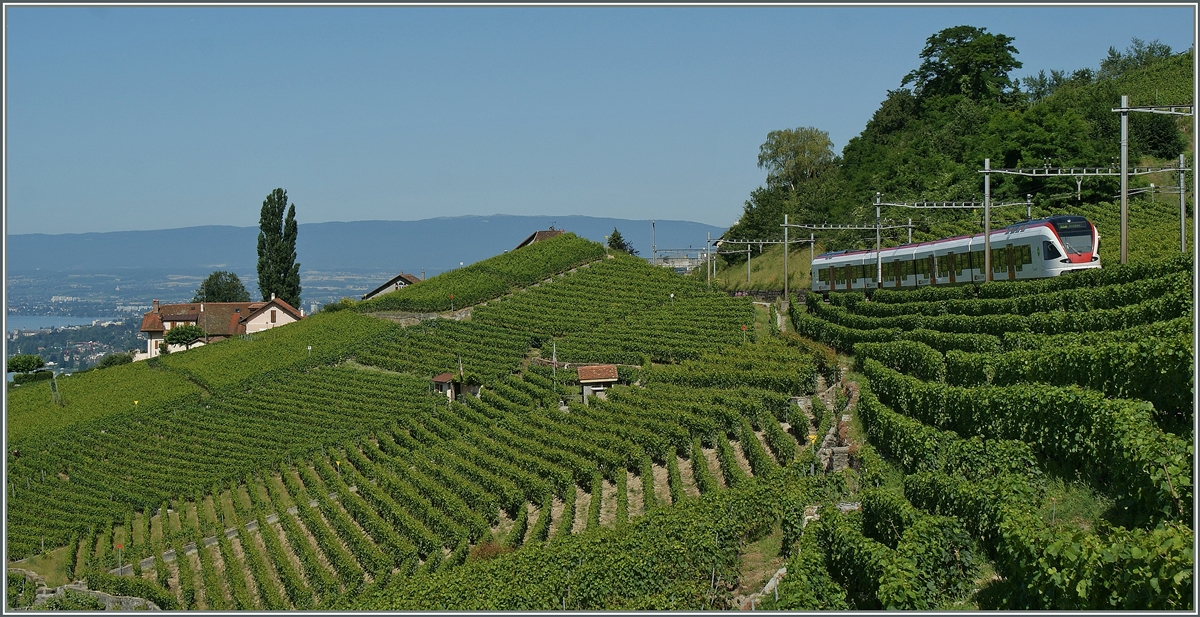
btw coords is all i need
(220, 320)
(399, 281)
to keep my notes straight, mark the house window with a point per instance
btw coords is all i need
(272, 315)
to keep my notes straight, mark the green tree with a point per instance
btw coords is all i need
(340, 305)
(278, 271)
(115, 359)
(222, 286)
(793, 156)
(25, 363)
(1138, 54)
(965, 60)
(617, 243)
(185, 335)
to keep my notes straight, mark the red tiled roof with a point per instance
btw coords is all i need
(599, 372)
(444, 378)
(152, 322)
(216, 318)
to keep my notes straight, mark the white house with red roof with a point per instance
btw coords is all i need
(220, 320)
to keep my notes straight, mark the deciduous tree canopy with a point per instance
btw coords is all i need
(792, 156)
(184, 335)
(965, 60)
(222, 286)
(25, 363)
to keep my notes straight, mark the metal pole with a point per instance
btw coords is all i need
(1124, 178)
(878, 253)
(708, 259)
(785, 255)
(747, 263)
(1182, 208)
(653, 247)
(987, 221)
(910, 230)
(811, 249)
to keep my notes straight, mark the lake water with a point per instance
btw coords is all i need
(34, 322)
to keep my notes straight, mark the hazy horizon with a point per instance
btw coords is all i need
(147, 117)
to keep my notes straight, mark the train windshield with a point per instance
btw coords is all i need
(1076, 236)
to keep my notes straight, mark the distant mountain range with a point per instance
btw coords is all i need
(434, 244)
(367, 251)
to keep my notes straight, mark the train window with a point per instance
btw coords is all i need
(1049, 251)
(889, 272)
(907, 268)
(961, 262)
(977, 262)
(921, 266)
(943, 266)
(823, 276)
(1076, 236)
(839, 276)
(999, 263)
(1023, 256)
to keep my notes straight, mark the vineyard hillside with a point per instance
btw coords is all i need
(314, 466)
(1047, 423)
(1007, 445)
(489, 278)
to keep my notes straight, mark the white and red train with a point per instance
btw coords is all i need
(1032, 249)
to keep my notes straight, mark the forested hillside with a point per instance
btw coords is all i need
(930, 136)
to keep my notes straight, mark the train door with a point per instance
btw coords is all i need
(950, 266)
(899, 275)
(1009, 258)
(849, 278)
(933, 272)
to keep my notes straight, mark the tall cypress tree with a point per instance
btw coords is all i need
(278, 272)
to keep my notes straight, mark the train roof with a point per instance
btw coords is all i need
(1050, 220)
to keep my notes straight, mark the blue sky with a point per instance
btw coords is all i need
(162, 117)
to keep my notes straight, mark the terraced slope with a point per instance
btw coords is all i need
(989, 401)
(279, 480)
